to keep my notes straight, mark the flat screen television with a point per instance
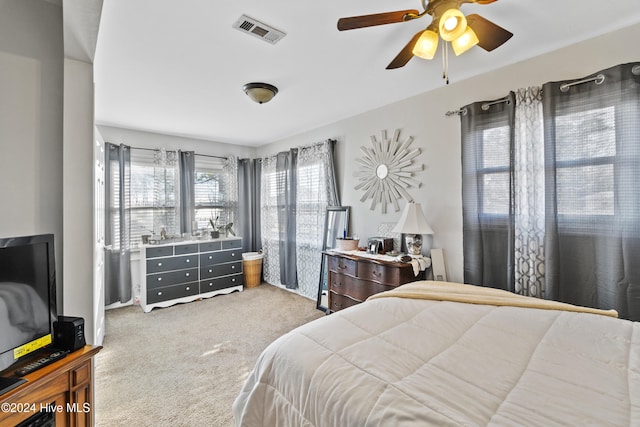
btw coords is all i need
(27, 296)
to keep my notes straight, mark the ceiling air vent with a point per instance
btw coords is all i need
(258, 29)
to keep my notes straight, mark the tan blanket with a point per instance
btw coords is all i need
(457, 292)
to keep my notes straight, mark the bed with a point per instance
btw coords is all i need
(442, 354)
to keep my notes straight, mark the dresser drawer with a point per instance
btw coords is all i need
(219, 257)
(218, 283)
(354, 288)
(171, 292)
(220, 270)
(232, 244)
(380, 273)
(157, 265)
(191, 248)
(161, 251)
(210, 246)
(340, 302)
(171, 278)
(342, 265)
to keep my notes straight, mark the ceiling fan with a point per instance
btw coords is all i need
(447, 22)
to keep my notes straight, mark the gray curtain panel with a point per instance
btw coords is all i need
(592, 161)
(286, 168)
(117, 224)
(487, 192)
(249, 174)
(187, 168)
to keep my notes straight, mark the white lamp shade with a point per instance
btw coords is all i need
(413, 221)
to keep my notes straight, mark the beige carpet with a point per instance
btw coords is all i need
(184, 365)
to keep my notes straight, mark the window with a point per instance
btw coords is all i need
(212, 192)
(494, 171)
(153, 196)
(585, 155)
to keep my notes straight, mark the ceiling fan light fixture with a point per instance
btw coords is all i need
(452, 24)
(260, 92)
(466, 41)
(426, 45)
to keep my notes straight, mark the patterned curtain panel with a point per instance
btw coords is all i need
(528, 177)
(269, 221)
(296, 188)
(166, 192)
(316, 191)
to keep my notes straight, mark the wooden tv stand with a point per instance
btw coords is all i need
(64, 388)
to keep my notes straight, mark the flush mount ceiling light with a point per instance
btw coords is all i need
(260, 92)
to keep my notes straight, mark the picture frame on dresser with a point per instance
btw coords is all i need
(336, 224)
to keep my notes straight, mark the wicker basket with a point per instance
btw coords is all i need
(347, 244)
(252, 268)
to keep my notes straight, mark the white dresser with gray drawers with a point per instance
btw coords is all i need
(188, 271)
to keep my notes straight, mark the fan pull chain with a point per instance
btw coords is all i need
(445, 62)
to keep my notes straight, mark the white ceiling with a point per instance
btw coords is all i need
(178, 67)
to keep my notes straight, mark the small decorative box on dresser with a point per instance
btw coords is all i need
(187, 271)
(353, 279)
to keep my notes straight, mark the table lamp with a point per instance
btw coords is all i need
(413, 225)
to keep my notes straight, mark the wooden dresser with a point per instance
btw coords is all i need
(62, 391)
(353, 279)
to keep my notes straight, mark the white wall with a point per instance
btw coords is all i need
(31, 97)
(77, 165)
(141, 139)
(423, 117)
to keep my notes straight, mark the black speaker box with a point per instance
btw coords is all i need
(68, 333)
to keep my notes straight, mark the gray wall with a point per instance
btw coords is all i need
(31, 97)
(423, 117)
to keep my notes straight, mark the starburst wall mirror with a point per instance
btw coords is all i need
(386, 171)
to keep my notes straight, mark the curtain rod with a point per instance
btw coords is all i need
(599, 79)
(196, 154)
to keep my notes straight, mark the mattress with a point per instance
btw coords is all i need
(405, 361)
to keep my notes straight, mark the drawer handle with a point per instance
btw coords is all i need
(188, 288)
(342, 266)
(210, 257)
(187, 274)
(188, 260)
(233, 280)
(210, 271)
(336, 305)
(233, 267)
(375, 273)
(233, 254)
(337, 285)
(159, 293)
(159, 264)
(159, 279)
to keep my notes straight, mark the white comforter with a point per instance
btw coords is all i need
(409, 362)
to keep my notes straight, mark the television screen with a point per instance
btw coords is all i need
(27, 296)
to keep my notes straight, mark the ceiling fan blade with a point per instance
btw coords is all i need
(490, 35)
(354, 22)
(405, 54)
(485, 1)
